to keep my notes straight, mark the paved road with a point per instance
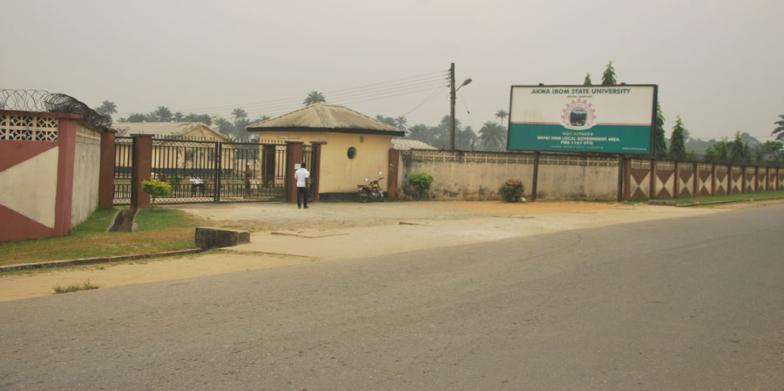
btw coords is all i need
(674, 304)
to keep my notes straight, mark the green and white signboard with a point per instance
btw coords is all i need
(599, 119)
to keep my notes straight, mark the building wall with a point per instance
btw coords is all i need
(339, 174)
(87, 163)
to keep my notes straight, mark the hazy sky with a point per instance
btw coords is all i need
(719, 64)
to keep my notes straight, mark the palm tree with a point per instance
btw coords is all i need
(401, 123)
(107, 108)
(779, 131)
(491, 136)
(162, 114)
(501, 114)
(314, 97)
(239, 114)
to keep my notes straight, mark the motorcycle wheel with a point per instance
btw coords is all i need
(363, 198)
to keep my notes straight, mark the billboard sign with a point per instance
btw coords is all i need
(575, 118)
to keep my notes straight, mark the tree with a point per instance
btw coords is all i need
(137, 117)
(178, 117)
(718, 152)
(224, 126)
(501, 114)
(238, 114)
(678, 141)
(779, 131)
(738, 150)
(161, 114)
(387, 120)
(313, 97)
(106, 108)
(769, 151)
(587, 81)
(659, 137)
(608, 77)
(401, 122)
(465, 139)
(203, 118)
(492, 137)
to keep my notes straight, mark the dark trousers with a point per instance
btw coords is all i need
(302, 196)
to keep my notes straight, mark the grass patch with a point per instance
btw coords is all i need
(728, 198)
(159, 229)
(74, 288)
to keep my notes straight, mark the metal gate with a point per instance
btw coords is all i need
(207, 171)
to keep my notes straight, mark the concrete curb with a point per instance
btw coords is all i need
(90, 261)
(749, 200)
(708, 203)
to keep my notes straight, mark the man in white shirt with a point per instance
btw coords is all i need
(301, 176)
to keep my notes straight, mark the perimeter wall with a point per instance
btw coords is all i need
(465, 175)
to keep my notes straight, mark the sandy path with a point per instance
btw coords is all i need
(19, 285)
(342, 231)
(419, 234)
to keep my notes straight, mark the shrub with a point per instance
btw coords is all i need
(418, 184)
(511, 190)
(156, 189)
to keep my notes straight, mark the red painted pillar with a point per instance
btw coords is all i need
(66, 140)
(695, 176)
(392, 179)
(756, 178)
(743, 179)
(142, 166)
(652, 187)
(106, 173)
(294, 154)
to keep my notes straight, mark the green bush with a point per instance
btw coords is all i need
(418, 184)
(156, 189)
(511, 190)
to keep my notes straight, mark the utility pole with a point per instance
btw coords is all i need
(452, 99)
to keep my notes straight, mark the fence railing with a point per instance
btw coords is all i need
(207, 171)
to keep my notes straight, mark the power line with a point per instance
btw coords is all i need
(383, 86)
(271, 109)
(416, 107)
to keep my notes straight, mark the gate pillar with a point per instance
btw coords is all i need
(392, 179)
(142, 166)
(294, 155)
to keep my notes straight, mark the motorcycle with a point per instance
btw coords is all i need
(371, 190)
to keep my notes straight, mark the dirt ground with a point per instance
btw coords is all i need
(275, 216)
(282, 235)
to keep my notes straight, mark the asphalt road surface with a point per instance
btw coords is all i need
(693, 304)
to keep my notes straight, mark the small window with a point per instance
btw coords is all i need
(351, 153)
